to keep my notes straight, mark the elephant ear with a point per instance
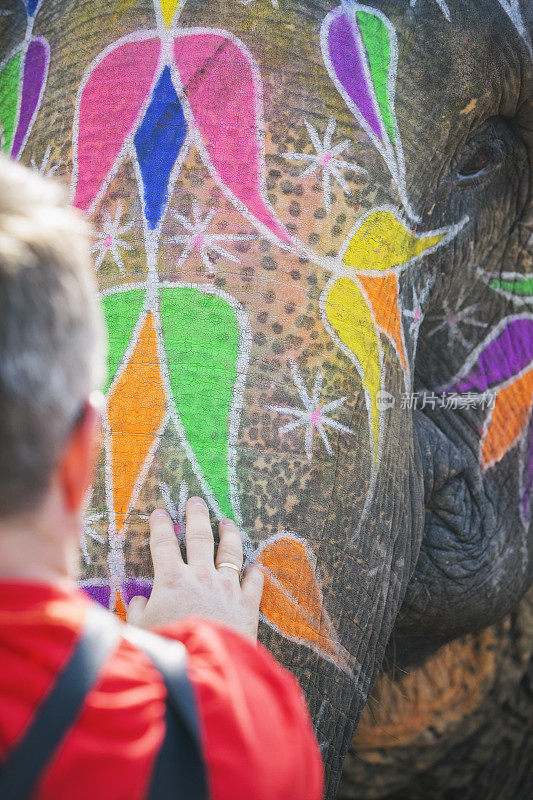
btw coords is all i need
(292, 601)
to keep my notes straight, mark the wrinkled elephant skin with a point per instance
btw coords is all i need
(304, 213)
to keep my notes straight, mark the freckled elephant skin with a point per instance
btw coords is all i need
(303, 212)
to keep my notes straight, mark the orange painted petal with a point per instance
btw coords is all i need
(508, 419)
(120, 607)
(382, 293)
(135, 410)
(292, 601)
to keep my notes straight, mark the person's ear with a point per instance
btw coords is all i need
(76, 466)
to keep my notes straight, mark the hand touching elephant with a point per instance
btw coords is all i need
(311, 227)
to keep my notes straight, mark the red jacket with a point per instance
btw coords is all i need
(257, 738)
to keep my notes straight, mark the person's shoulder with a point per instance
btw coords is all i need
(256, 730)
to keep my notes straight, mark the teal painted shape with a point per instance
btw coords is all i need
(201, 337)
(121, 312)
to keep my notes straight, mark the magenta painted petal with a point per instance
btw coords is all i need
(222, 85)
(502, 356)
(109, 109)
(347, 62)
(526, 483)
(33, 83)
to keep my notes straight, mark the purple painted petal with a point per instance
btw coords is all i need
(526, 482)
(99, 592)
(501, 357)
(348, 64)
(33, 83)
(136, 586)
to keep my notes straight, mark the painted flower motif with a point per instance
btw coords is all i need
(109, 239)
(314, 417)
(138, 98)
(503, 364)
(199, 239)
(362, 300)
(360, 51)
(455, 320)
(326, 159)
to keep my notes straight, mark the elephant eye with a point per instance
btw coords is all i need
(483, 151)
(473, 165)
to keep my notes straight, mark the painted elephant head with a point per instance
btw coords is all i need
(311, 227)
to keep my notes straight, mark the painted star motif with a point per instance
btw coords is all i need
(88, 530)
(453, 320)
(415, 313)
(109, 240)
(199, 240)
(441, 4)
(312, 416)
(45, 170)
(326, 159)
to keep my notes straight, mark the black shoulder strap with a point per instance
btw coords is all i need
(179, 771)
(58, 711)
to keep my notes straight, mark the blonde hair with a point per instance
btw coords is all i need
(51, 331)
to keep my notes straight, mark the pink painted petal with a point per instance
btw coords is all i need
(223, 87)
(109, 109)
(35, 73)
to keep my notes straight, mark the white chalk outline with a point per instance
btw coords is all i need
(448, 234)
(391, 154)
(22, 47)
(346, 662)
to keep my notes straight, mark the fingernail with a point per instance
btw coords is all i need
(227, 522)
(197, 501)
(159, 512)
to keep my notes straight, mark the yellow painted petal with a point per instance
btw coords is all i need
(382, 242)
(351, 319)
(168, 9)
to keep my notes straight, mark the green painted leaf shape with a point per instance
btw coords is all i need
(121, 312)
(9, 88)
(201, 336)
(377, 45)
(519, 287)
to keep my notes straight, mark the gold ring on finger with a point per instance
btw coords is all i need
(231, 566)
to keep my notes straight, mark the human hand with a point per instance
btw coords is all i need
(198, 587)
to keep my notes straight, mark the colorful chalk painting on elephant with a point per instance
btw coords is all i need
(23, 76)
(179, 352)
(147, 100)
(503, 365)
